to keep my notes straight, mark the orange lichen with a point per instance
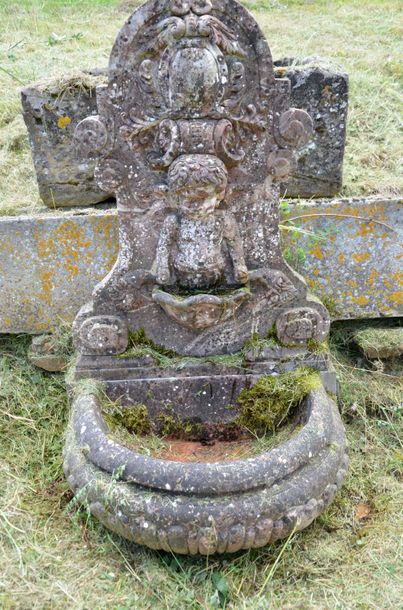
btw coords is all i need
(361, 300)
(360, 258)
(317, 251)
(396, 298)
(366, 228)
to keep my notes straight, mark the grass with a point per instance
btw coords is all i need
(53, 555)
(41, 39)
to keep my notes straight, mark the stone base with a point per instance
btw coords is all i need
(207, 508)
(204, 392)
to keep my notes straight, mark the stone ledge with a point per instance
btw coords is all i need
(50, 262)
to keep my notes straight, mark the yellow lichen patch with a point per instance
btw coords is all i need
(63, 122)
(361, 300)
(47, 286)
(396, 298)
(366, 228)
(352, 283)
(316, 251)
(360, 258)
(316, 271)
(398, 277)
(341, 258)
(372, 277)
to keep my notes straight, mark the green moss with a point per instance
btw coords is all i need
(331, 305)
(134, 419)
(376, 342)
(318, 347)
(269, 402)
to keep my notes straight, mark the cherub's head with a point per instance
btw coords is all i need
(198, 183)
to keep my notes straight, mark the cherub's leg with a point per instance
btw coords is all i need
(164, 249)
(233, 239)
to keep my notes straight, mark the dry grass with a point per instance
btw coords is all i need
(52, 557)
(40, 39)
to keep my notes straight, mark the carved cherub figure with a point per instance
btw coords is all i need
(191, 246)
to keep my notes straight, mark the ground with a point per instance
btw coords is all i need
(40, 38)
(52, 554)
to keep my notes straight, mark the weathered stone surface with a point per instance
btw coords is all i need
(315, 87)
(45, 354)
(207, 508)
(380, 343)
(52, 111)
(355, 269)
(323, 92)
(194, 134)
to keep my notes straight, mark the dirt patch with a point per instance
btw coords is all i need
(213, 451)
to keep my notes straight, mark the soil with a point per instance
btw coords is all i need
(212, 451)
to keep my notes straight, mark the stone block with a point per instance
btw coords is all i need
(52, 109)
(46, 355)
(50, 263)
(323, 92)
(380, 343)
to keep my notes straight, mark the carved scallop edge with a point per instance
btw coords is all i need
(188, 524)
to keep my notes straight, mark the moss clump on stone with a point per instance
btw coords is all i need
(272, 399)
(317, 347)
(134, 419)
(68, 84)
(378, 343)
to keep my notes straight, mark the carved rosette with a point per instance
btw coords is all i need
(299, 325)
(103, 335)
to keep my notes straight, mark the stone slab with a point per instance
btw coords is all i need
(351, 258)
(52, 111)
(380, 343)
(323, 92)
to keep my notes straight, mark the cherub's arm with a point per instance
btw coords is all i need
(164, 248)
(234, 242)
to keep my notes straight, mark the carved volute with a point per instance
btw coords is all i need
(193, 134)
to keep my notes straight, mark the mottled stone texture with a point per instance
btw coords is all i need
(194, 136)
(323, 93)
(207, 508)
(315, 87)
(62, 256)
(52, 111)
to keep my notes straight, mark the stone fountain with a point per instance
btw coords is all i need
(194, 135)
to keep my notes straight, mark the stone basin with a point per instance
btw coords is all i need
(207, 508)
(201, 311)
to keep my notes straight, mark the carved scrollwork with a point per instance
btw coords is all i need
(91, 136)
(109, 175)
(169, 142)
(296, 127)
(103, 335)
(299, 325)
(197, 24)
(227, 143)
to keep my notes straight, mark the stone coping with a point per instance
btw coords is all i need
(50, 261)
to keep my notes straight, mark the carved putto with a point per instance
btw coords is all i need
(193, 134)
